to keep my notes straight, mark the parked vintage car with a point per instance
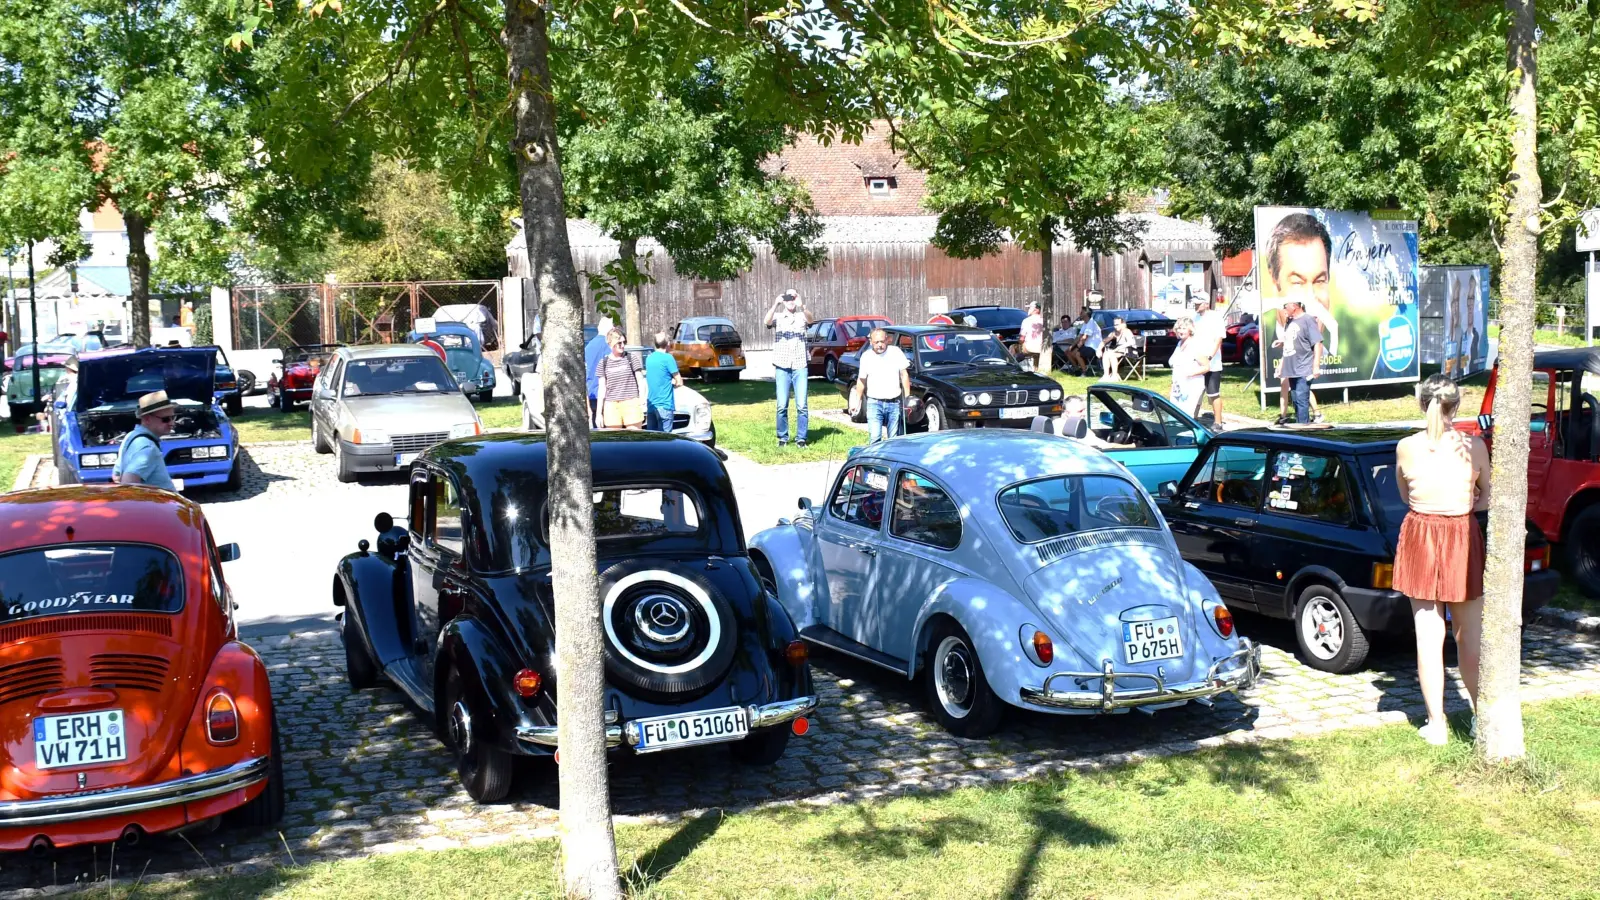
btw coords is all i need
(57, 350)
(1165, 439)
(100, 407)
(962, 378)
(1241, 343)
(1303, 526)
(456, 608)
(691, 411)
(130, 705)
(473, 371)
(21, 401)
(708, 347)
(1156, 339)
(1004, 569)
(229, 388)
(376, 408)
(829, 339)
(1563, 455)
(526, 359)
(294, 372)
(476, 316)
(1004, 322)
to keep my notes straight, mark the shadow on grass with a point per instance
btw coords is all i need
(657, 864)
(867, 836)
(1051, 825)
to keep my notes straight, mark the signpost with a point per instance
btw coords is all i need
(1589, 242)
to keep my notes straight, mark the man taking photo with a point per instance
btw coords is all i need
(885, 379)
(788, 319)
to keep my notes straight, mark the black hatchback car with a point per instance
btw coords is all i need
(455, 607)
(1156, 338)
(962, 378)
(1303, 526)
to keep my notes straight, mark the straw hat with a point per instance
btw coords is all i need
(155, 402)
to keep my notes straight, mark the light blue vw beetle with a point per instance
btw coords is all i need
(1004, 568)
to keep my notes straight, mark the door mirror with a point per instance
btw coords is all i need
(1485, 421)
(228, 552)
(805, 504)
(1169, 490)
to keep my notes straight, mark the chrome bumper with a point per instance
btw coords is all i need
(1241, 676)
(763, 716)
(122, 801)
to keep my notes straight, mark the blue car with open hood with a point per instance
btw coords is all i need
(100, 407)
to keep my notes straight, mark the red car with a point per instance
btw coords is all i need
(128, 705)
(1242, 341)
(829, 339)
(295, 373)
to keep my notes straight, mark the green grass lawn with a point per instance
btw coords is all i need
(1569, 597)
(1357, 814)
(745, 414)
(14, 448)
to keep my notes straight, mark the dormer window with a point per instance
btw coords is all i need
(880, 187)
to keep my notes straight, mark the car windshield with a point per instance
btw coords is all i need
(993, 318)
(957, 348)
(861, 327)
(451, 341)
(312, 356)
(1385, 490)
(707, 332)
(396, 375)
(48, 581)
(627, 519)
(1068, 504)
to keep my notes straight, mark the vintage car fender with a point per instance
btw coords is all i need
(992, 617)
(370, 584)
(487, 669)
(1203, 594)
(788, 552)
(238, 670)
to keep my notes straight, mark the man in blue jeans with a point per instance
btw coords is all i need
(885, 380)
(1302, 357)
(661, 377)
(789, 320)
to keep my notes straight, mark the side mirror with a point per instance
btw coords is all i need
(228, 552)
(1485, 421)
(805, 504)
(1169, 490)
(383, 522)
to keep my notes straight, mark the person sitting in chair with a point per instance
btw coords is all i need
(1121, 347)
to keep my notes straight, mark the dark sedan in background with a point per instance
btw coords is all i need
(1154, 331)
(963, 378)
(1004, 322)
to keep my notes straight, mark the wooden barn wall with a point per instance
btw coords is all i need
(894, 280)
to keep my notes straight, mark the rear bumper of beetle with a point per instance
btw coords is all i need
(126, 801)
(1233, 673)
(618, 733)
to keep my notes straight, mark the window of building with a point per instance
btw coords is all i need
(880, 187)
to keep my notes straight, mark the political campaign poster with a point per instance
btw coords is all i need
(1455, 319)
(1356, 275)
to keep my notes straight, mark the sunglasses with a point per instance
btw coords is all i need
(166, 418)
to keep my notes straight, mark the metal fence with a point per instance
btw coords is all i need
(274, 316)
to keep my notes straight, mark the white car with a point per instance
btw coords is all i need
(691, 410)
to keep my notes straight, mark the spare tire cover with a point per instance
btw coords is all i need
(668, 629)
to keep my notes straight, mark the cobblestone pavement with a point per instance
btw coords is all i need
(366, 776)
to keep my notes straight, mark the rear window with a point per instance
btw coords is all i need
(49, 581)
(1068, 504)
(1385, 491)
(707, 332)
(994, 318)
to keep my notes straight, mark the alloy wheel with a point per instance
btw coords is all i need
(1323, 628)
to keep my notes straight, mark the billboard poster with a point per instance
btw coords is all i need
(1463, 318)
(1356, 275)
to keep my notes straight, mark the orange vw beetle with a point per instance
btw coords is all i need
(128, 705)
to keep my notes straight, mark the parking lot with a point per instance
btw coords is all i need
(365, 776)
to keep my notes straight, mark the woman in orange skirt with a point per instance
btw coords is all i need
(1443, 476)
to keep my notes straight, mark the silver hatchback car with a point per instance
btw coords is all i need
(376, 408)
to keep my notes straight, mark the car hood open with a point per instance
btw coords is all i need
(121, 376)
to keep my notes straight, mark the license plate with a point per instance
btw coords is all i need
(724, 360)
(1157, 332)
(1019, 412)
(404, 459)
(1152, 640)
(81, 739)
(708, 727)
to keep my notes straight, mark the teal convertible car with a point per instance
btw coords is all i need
(1162, 440)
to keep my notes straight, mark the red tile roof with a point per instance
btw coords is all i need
(836, 175)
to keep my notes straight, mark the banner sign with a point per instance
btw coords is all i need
(1455, 319)
(1356, 275)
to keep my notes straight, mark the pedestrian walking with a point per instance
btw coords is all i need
(593, 352)
(789, 318)
(139, 459)
(1301, 340)
(661, 377)
(622, 387)
(885, 380)
(1188, 365)
(1443, 478)
(1032, 334)
(1210, 330)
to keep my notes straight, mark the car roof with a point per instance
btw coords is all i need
(374, 351)
(992, 457)
(989, 306)
(935, 329)
(873, 316)
(114, 352)
(706, 320)
(98, 514)
(1583, 359)
(614, 456)
(1356, 439)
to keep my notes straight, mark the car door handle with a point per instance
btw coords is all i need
(868, 549)
(1245, 523)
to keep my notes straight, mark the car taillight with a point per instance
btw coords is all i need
(796, 653)
(1223, 619)
(1536, 559)
(527, 683)
(222, 719)
(1043, 648)
(1383, 575)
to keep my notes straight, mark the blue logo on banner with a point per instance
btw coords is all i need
(1398, 346)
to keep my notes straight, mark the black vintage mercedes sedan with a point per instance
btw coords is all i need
(961, 378)
(455, 606)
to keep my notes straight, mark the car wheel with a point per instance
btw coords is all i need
(235, 475)
(830, 369)
(267, 808)
(359, 666)
(319, 441)
(763, 747)
(486, 396)
(668, 628)
(342, 465)
(485, 771)
(285, 404)
(235, 404)
(1252, 356)
(935, 415)
(516, 384)
(247, 382)
(960, 696)
(1330, 638)
(713, 440)
(1582, 549)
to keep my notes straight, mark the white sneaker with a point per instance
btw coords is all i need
(1435, 733)
(1473, 733)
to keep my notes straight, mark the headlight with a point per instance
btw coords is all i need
(985, 399)
(209, 453)
(969, 399)
(702, 417)
(371, 436)
(467, 430)
(1056, 394)
(90, 460)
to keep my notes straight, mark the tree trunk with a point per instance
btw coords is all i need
(1047, 290)
(588, 846)
(138, 276)
(1499, 707)
(628, 252)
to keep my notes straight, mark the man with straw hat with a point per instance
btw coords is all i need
(139, 459)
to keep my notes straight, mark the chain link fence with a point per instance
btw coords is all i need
(275, 316)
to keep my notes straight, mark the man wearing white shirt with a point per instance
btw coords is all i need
(885, 379)
(1211, 328)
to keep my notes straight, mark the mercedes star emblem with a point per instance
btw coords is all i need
(663, 614)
